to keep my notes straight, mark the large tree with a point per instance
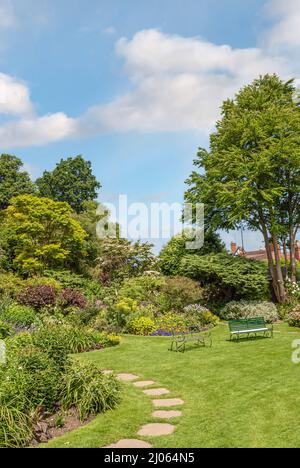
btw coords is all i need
(72, 181)
(13, 181)
(39, 233)
(251, 175)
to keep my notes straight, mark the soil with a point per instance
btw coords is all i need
(46, 428)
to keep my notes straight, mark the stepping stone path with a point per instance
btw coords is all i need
(144, 384)
(168, 403)
(166, 414)
(127, 377)
(154, 429)
(130, 443)
(156, 392)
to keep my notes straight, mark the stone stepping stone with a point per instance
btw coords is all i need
(156, 430)
(166, 414)
(156, 392)
(168, 403)
(107, 372)
(127, 377)
(130, 443)
(143, 384)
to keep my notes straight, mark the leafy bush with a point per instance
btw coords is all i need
(10, 284)
(228, 278)
(69, 280)
(38, 297)
(179, 292)
(293, 318)
(142, 288)
(72, 298)
(253, 309)
(19, 315)
(16, 429)
(171, 321)
(200, 316)
(91, 392)
(5, 330)
(143, 326)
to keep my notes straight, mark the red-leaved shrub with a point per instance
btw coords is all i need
(38, 296)
(72, 298)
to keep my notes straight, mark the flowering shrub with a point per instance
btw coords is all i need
(38, 297)
(200, 315)
(293, 318)
(245, 310)
(141, 326)
(171, 322)
(72, 298)
(293, 290)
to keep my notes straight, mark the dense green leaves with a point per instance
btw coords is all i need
(13, 181)
(72, 181)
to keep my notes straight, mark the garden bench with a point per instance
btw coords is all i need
(249, 327)
(200, 336)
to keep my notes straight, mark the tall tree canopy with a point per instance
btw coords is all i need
(38, 233)
(251, 175)
(13, 181)
(72, 181)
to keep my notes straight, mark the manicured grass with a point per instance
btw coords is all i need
(243, 394)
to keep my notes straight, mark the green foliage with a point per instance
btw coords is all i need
(13, 181)
(143, 326)
(39, 233)
(179, 292)
(16, 429)
(199, 315)
(251, 309)
(10, 284)
(142, 288)
(72, 181)
(69, 280)
(171, 321)
(5, 330)
(228, 278)
(89, 390)
(172, 254)
(20, 316)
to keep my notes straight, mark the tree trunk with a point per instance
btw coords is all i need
(281, 292)
(293, 255)
(286, 262)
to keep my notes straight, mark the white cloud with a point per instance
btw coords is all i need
(14, 96)
(110, 31)
(285, 32)
(178, 83)
(35, 131)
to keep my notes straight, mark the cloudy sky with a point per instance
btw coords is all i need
(135, 86)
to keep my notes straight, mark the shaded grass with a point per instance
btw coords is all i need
(243, 394)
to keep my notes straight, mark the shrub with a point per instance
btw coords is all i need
(171, 321)
(244, 310)
(228, 278)
(38, 297)
(52, 339)
(72, 298)
(179, 292)
(20, 316)
(143, 326)
(10, 284)
(5, 330)
(142, 288)
(293, 318)
(16, 429)
(69, 280)
(199, 315)
(89, 390)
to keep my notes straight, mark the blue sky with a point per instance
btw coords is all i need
(134, 86)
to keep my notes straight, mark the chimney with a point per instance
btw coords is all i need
(233, 248)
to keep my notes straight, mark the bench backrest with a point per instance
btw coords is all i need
(247, 324)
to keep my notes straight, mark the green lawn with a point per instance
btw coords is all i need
(243, 394)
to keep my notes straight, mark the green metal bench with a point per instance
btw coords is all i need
(250, 327)
(200, 336)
